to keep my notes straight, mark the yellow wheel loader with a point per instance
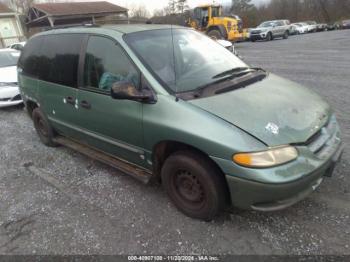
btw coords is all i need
(209, 19)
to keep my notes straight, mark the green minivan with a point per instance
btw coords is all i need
(167, 103)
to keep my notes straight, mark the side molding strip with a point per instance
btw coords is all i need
(97, 136)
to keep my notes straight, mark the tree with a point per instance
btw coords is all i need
(182, 6)
(241, 6)
(245, 10)
(172, 4)
(20, 6)
(139, 11)
(159, 12)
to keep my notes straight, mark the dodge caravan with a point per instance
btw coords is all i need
(170, 104)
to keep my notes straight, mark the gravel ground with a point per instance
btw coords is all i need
(56, 201)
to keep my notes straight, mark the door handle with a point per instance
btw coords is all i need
(70, 100)
(85, 104)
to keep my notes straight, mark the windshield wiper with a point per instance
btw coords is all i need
(198, 92)
(234, 71)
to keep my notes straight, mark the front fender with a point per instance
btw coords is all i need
(168, 120)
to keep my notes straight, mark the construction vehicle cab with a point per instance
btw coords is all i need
(209, 19)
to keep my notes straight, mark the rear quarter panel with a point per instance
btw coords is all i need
(28, 87)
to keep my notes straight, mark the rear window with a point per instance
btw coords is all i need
(8, 58)
(28, 61)
(53, 58)
(60, 58)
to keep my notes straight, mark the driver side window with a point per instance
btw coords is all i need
(105, 64)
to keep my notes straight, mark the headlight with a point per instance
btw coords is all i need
(269, 158)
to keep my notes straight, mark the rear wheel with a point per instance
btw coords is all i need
(215, 34)
(194, 185)
(43, 128)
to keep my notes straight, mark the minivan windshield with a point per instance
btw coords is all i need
(182, 59)
(8, 58)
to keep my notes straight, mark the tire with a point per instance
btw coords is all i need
(43, 128)
(195, 186)
(285, 35)
(215, 34)
(253, 40)
(269, 37)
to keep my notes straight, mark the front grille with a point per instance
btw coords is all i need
(255, 32)
(323, 139)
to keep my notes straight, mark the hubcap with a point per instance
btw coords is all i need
(188, 187)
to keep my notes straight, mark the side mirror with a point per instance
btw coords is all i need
(126, 90)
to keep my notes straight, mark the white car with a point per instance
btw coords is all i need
(312, 26)
(9, 91)
(301, 28)
(228, 45)
(18, 46)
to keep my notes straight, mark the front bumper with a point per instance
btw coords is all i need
(275, 188)
(252, 195)
(261, 36)
(10, 96)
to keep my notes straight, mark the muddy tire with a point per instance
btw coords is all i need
(43, 128)
(215, 34)
(196, 186)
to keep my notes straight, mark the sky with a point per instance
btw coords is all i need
(159, 4)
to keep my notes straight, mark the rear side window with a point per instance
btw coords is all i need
(60, 59)
(29, 60)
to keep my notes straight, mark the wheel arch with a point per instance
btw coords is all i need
(162, 150)
(30, 106)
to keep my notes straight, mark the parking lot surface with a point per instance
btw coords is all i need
(57, 201)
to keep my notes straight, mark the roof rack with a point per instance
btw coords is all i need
(72, 26)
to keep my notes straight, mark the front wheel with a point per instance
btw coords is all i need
(215, 34)
(285, 35)
(269, 37)
(194, 185)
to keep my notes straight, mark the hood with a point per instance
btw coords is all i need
(8, 74)
(275, 110)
